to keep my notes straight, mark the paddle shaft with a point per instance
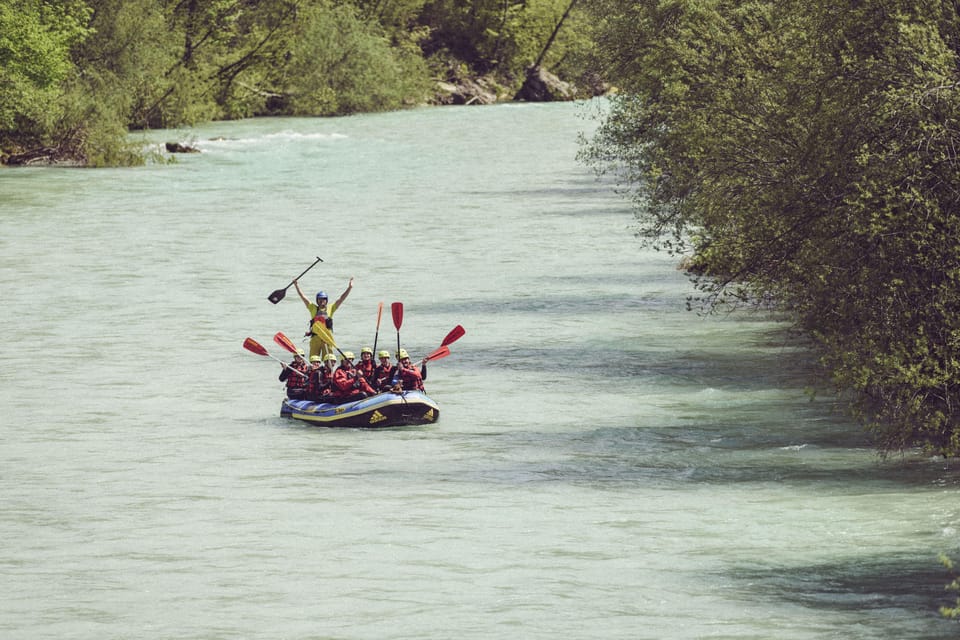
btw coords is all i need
(253, 346)
(319, 259)
(377, 334)
(301, 373)
(279, 294)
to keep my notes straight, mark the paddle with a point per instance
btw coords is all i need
(455, 334)
(443, 350)
(436, 354)
(326, 336)
(279, 294)
(255, 347)
(285, 342)
(377, 334)
(396, 309)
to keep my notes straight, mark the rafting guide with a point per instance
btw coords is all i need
(321, 317)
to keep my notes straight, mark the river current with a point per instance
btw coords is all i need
(607, 464)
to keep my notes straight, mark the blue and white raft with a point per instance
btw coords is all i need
(376, 412)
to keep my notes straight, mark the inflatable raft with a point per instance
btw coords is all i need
(376, 412)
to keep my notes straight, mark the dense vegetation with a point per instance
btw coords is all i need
(75, 75)
(803, 153)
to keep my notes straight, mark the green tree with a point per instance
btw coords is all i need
(76, 75)
(35, 41)
(804, 152)
(228, 50)
(340, 63)
(503, 36)
(396, 16)
(128, 57)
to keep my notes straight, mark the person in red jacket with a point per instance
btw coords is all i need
(348, 384)
(312, 389)
(367, 366)
(408, 374)
(383, 374)
(296, 383)
(320, 380)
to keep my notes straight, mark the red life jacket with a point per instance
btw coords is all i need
(349, 382)
(318, 384)
(411, 379)
(295, 381)
(382, 377)
(343, 379)
(366, 369)
(322, 318)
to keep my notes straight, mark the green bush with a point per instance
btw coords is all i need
(804, 153)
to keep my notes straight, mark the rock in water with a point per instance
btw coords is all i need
(178, 147)
(543, 86)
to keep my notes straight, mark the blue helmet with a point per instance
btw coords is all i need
(322, 294)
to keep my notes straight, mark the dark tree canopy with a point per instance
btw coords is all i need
(804, 153)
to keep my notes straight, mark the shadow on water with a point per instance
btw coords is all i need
(892, 588)
(557, 307)
(614, 457)
(681, 416)
(659, 362)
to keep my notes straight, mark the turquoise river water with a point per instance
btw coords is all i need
(607, 464)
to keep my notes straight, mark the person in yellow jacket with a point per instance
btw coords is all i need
(321, 315)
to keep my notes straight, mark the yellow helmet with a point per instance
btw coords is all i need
(383, 353)
(366, 350)
(347, 355)
(315, 359)
(327, 357)
(402, 354)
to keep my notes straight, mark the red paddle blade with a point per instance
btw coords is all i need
(397, 310)
(252, 345)
(455, 334)
(442, 352)
(285, 342)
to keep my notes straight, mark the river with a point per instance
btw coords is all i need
(607, 464)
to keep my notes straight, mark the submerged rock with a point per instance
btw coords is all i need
(179, 147)
(48, 156)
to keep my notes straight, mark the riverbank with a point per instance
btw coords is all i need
(456, 88)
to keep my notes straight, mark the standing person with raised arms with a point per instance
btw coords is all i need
(321, 313)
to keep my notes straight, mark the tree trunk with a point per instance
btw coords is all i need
(553, 35)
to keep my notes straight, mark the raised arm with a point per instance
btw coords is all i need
(343, 296)
(306, 301)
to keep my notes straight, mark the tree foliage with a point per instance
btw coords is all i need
(35, 42)
(954, 586)
(75, 75)
(805, 153)
(503, 35)
(342, 64)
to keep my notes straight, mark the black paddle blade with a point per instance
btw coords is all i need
(277, 296)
